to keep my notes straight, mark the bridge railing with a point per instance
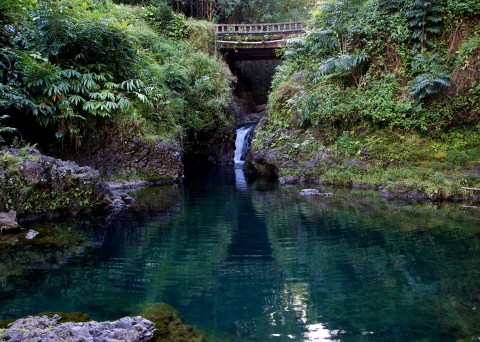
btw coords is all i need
(275, 28)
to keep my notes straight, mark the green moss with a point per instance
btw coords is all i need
(75, 317)
(37, 196)
(398, 160)
(169, 326)
(4, 323)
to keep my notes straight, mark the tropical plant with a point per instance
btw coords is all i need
(4, 129)
(432, 76)
(424, 19)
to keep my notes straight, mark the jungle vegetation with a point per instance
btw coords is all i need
(392, 83)
(239, 11)
(69, 66)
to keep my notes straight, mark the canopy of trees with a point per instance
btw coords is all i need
(239, 11)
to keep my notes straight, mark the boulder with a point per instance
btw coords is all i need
(35, 185)
(8, 221)
(289, 180)
(31, 234)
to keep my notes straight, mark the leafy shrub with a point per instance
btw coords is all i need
(64, 38)
(462, 8)
(80, 63)
(160, 16)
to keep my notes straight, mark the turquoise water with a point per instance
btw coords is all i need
(253, 261)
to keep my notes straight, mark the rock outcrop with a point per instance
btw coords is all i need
(8, 221)
(32, 184)
(297, 157)
(48, 329)
(151, 160)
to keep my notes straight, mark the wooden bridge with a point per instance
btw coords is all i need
(255, 41)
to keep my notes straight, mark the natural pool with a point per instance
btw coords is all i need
(253, 261)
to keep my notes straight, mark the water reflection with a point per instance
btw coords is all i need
(266, 264)
(240, 181)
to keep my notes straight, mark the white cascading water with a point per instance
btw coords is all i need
(240, 143)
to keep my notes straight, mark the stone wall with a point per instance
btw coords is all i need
(130, 157)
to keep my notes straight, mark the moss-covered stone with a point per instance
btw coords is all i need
(34, 184)
(402, 165)
(169, 326)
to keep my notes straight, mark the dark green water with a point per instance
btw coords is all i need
(256, 262)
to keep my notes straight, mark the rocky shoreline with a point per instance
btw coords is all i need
(296, 157)
(34, 187)
(49, 329)
(397, 194)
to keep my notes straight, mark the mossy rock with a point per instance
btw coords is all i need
(169, 325)
(5, 322)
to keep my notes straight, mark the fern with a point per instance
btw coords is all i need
(424, 19)
(340, 66)
(5, 129)
(433, 76)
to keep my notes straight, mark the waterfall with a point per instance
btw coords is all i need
(241, 143)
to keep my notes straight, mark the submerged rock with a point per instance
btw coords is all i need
(409, 195)
(31, 234)
(49, 329)
(169, 326)
(315, 192)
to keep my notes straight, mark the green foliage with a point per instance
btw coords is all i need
(4, 129)
(463, 8)
(75, 64)
(161, 18)
(424, 19)
(382, 63)
(164, 21)
(340, 66)
(469, 49)
(243, 11)
(59, 34)
(433, 76)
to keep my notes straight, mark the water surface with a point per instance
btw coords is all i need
(247, 260)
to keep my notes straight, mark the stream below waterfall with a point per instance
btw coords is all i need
(247, 260)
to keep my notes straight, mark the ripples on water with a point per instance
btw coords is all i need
(249, 261)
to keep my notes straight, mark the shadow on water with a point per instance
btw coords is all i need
(249, 260)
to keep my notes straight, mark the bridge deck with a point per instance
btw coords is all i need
(252, 36)
(270, 28)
